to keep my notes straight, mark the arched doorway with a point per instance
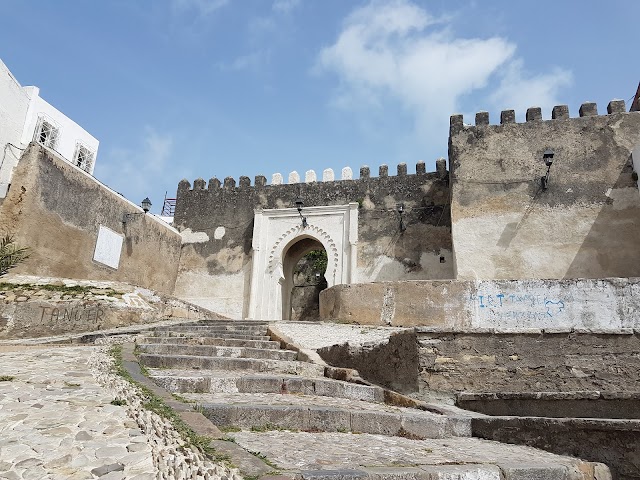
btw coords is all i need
(280, 241)
(304, 265)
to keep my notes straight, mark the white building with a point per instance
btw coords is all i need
(25, 117)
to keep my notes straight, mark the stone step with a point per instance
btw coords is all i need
(198, 340)
(216, 351)
(228, 322)
(237, 336)
(245, 330)
(344, 456)
(181, 381)
(226, 363)
(325, 414)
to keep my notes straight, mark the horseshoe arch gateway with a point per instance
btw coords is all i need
(275, 231)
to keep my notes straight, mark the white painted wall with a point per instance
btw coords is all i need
(70, 133)
(20, 108)
(14, 103)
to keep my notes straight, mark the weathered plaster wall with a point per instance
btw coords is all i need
(539, 361)
(216, 223)
(584, 225)
(56, 210)
(606, 304)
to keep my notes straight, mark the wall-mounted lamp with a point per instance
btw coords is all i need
(547, 156)
(299, 205)
(146, 206)
(400, 210)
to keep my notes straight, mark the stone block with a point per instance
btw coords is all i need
(333, 474)
(534, 114)
(328, 175)
(365, 172)
(395, 473)
(482, 118)
(588, 109)
(229, 182)
(616, 106)
(402, 169)
(379, 423)
(533, 472)
(507, 116)
(421, 168)
(214, 183)
(560, 112)
(329, 419)
(310, 176)
(425, 426)
(461, 472)
(383, 171)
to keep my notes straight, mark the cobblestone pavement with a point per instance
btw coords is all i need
(316, 335)
(57, 422)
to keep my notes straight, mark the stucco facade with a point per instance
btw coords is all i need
(26, 117)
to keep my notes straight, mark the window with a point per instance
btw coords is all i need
(47, 133)
(83, 158)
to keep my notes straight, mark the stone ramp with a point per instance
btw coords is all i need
(308, 426)
(317, 456)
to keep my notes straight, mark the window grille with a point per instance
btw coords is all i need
(83, 158)
(47, 133)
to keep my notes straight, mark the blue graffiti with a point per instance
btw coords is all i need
(504, 303)
(554, 308)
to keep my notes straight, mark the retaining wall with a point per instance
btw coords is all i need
(607, 304)
(73, 226)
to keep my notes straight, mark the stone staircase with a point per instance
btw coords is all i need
(241, 380)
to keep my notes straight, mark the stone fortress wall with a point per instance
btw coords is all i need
(216, 223)
(584, 225)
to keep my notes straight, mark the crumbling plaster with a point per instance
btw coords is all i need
(46, 211)
(504, 225)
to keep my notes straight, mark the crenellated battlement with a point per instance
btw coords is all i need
(310, 177)
(534, 114)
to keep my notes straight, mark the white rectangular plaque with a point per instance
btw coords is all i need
(108, 247)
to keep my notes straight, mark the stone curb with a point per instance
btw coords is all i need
(247, 463)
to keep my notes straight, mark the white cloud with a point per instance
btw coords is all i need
(396, 52)
(519, 92)
(285, 6)
(133, 170)
(201, 7)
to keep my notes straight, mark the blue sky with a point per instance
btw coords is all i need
(200, 88)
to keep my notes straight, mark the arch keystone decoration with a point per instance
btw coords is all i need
(274, 231)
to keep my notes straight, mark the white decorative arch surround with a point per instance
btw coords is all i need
(275, 231)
